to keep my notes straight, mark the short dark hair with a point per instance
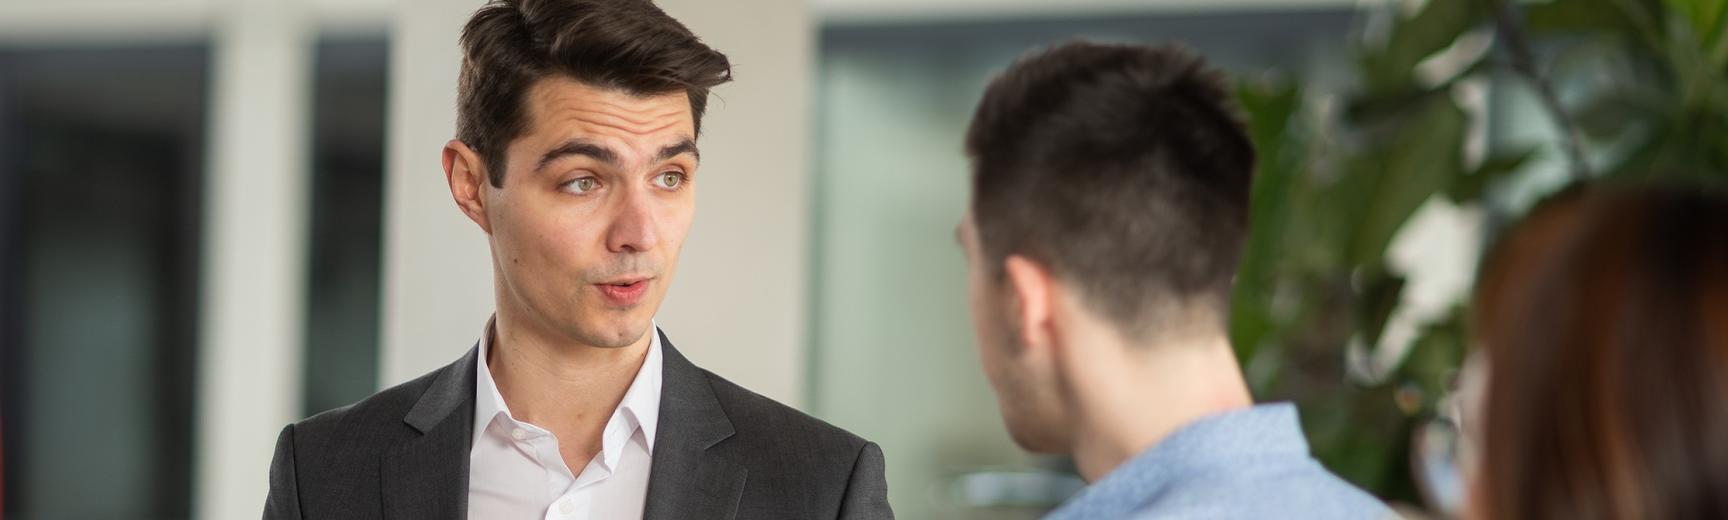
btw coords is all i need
(1125, 169)
(629, 45)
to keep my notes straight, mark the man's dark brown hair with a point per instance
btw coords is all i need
(1125, 169)
(628, 45)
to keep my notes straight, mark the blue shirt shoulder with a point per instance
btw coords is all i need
(1250, 463)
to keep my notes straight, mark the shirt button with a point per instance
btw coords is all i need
(519, 434)
(566, 507)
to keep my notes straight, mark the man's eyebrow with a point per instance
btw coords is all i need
(685, 146)
(578, 147)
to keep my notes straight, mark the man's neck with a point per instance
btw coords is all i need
(1128, 405)
(538, 375)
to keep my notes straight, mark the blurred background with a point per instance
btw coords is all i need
(220, 216)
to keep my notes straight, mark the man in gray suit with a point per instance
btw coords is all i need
(576, 155)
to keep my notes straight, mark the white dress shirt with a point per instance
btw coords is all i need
(516, 472)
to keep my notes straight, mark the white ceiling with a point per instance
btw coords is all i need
(99, 20)
(890, 11)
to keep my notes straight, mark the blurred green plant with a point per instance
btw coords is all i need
(1647, 85)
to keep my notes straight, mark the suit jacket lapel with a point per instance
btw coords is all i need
(687, 481)
(426, 477)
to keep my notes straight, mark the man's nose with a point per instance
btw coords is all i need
(633, 228)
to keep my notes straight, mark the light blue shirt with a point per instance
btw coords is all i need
(1250, 463)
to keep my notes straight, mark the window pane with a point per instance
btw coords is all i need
(347, 207)
(102, 163)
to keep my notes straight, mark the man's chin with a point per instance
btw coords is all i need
(1032, 438)
(1030, 443)
(614, 334)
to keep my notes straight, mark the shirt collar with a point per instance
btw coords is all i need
(1220, 440)
(488, 403)
(640, 407)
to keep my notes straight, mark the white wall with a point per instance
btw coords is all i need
(254, 273)
(737, 305)
(437, 289)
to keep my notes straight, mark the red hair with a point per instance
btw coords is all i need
(1605, 319)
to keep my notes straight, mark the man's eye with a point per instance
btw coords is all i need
(670, 180)
(582, 185)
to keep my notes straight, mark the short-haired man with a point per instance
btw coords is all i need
(1109, 207)
(576, 154)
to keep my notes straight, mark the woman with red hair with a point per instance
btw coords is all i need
(1604, 319)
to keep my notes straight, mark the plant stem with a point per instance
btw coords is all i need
(1511, 28)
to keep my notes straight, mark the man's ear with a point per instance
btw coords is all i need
(466, 174)
(1033, 289)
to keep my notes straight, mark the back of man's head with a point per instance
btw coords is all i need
(1125, 170)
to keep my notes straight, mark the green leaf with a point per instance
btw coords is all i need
(1635, 20)
(1575, 16)
(1473, 186)
(1381, 291)
(1360, 435)
(1686, 57)
(1646, 155)
(1420, 159)
(1705, 16)
(1432, 29)
(1435, 356)
(1272, 109)
(1372, 106)
(1609, 115)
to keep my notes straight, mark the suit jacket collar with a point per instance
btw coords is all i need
(427, 475)
(452, 388)
(687, 479)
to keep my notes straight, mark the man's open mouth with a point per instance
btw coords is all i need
(624, 293)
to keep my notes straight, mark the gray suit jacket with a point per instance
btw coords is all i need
(721, 452)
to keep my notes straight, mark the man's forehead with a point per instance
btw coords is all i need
(560, 101)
